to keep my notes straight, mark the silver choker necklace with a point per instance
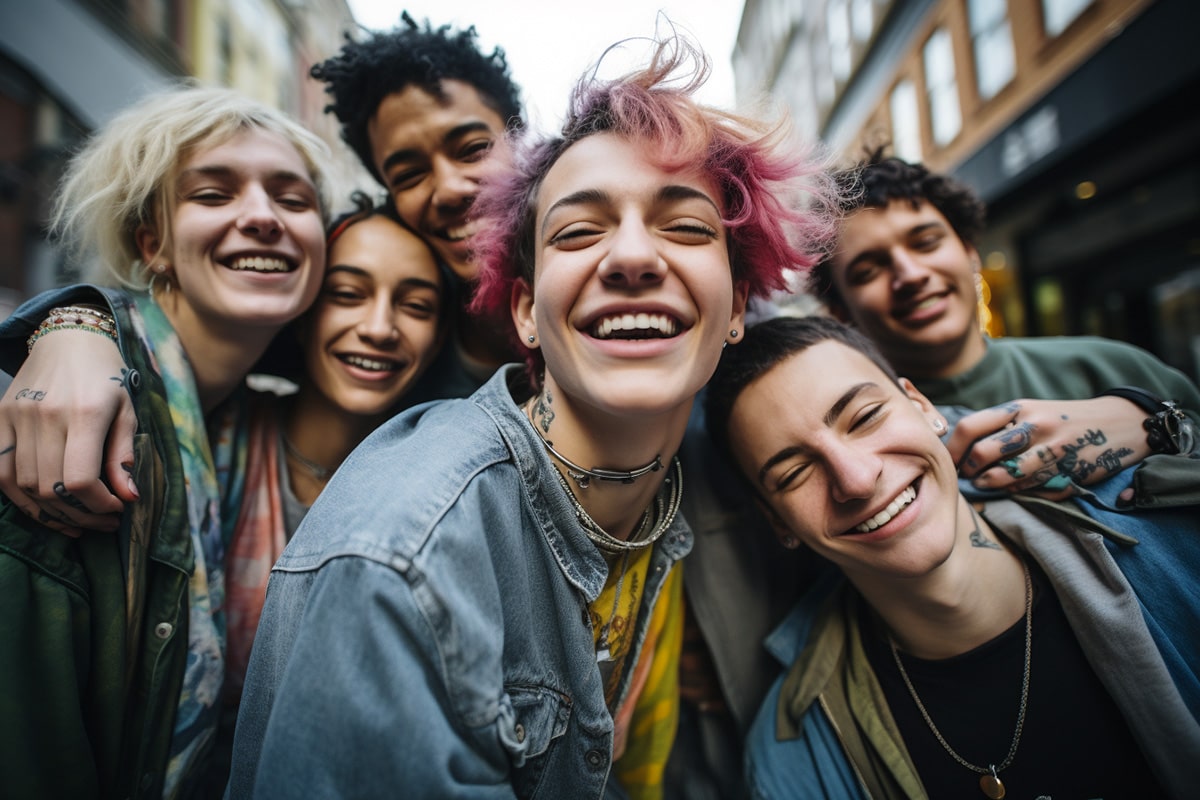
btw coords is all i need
(321, 473)
(583, 476)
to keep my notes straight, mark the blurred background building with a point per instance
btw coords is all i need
(66, 66)
(1077, 120)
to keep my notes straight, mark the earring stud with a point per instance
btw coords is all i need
(939, 426)
(532, 338)
(733, 334)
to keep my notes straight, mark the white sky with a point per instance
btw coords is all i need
(549, 43)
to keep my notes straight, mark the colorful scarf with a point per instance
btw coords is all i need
(197, 715)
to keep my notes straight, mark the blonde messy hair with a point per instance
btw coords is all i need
(124, 177)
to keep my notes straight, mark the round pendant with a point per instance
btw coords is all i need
(992, 786)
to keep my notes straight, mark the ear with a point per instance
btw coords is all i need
(737, 320)
(521, 306)
(148, 244)
(782, 532)
(922, 403)
(973, 255)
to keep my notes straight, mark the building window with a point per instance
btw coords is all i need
(991, 40)
(837, 26)
(906, 122)
(862, 19)
(1058, 14)
(945, 115)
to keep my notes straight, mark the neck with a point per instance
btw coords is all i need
(611, 444)
(323, 434)
(941, 361)
(972, 597)
(219, 358)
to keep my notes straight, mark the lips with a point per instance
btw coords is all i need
(635, 326)
(260, 264)
(902, 501)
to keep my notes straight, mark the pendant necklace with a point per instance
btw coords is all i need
(989, 781)
(603, 648)
(319, 472)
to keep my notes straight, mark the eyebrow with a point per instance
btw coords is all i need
(362, 273)
(219, 171)
(669, 193)
(916, 230)
(413, 153)
(828, 419)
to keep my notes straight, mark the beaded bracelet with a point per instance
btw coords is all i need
(79, 318)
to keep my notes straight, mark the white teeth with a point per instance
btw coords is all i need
(605, 328)
(369, 363)
(259, 264)
(893, 508)
(459, 233)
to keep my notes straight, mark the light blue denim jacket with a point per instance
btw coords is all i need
(426, 632)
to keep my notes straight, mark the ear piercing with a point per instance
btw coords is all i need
(939, 427)
(791, 542)
(733, 334)
(532, 338)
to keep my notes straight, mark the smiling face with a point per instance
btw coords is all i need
(907, 281)
(432, 153)
(849, 464)
(633, 294)
(246, 247)
(374, 328)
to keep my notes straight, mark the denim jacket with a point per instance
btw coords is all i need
(426, 631)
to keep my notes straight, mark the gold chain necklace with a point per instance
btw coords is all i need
(989, 782)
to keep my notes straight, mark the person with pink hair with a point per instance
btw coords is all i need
(484, 600)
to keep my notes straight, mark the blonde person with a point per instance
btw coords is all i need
(201, 214)
(484, 600)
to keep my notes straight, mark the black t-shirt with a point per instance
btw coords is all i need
(1075, 745)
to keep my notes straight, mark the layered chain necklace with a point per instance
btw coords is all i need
(318, 471)
(989, 781)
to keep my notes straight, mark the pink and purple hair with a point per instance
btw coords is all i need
(777, 209)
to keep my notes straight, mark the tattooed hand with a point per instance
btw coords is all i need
(1049, 446)
(66, 427)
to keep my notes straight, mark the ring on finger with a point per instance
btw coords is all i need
(60, 489)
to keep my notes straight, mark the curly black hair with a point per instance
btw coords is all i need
(364, 72)
(877, 181)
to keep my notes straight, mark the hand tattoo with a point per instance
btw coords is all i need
(31, 394)
(1016, 439)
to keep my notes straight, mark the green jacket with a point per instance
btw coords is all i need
(93, 634)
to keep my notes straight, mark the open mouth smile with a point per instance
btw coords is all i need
(635, 326)
(371, 364)
(260, 264)
(902, 501)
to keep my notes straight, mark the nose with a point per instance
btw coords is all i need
(258, 216)
(907, 271)
(378, 323)
(454, 184)
(632, 259)
(854, 474)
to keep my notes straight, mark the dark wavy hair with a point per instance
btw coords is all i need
(778, 208)
(877, 181)
(366, 71)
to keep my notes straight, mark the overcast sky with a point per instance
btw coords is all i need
(549, 44)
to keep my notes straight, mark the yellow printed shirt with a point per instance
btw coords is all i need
(646, 721)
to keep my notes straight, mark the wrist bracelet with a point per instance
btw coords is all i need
(1168, 429)
(75, 318)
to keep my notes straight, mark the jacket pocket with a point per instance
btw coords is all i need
(538, 721)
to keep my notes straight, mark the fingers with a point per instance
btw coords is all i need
(971, 429)
(118, 455)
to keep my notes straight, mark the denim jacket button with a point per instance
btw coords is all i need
(519, 730)
(163, 630)
(595, 759)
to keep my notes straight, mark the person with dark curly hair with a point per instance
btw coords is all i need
(423, 107)
(905, 272)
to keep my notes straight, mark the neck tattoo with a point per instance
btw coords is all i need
(989, 782)
(539, 407)
(978, 539)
